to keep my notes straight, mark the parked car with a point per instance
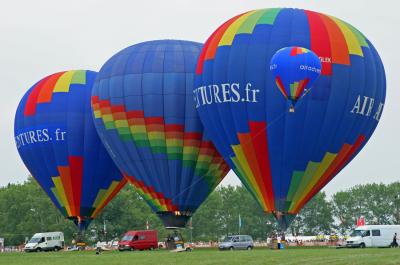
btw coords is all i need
(139, 240)
(373, 236)
(236, 242)
(45, 242)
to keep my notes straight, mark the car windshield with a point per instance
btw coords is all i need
(35, 240)
(227, 239)
(127, 238)
(358, 233)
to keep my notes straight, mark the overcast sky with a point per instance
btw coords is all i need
(41, 37)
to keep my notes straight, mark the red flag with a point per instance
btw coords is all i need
(360, 221)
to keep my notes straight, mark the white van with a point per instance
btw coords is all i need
(45, 242)
(373, 236)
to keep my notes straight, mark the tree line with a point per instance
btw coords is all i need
(25, 209)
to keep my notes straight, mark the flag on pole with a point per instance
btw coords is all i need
(240, 223)
(361, 221)
(190, 225)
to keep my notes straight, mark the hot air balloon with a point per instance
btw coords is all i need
(295, 69)
(145, 115)
(57, 141)
(285, 158)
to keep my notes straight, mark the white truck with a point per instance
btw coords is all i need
(47, 241)
(373, 236)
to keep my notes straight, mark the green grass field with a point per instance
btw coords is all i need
(304, 256)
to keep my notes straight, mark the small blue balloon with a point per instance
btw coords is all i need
(295, 69)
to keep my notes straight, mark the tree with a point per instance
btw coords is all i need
(343, 209)
(315, 218)
(25, 209)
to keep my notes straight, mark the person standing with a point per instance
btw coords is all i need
(394, 242)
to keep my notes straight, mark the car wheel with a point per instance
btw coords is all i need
(249, 248)
(56, 249)
(231, 248)
(362, 245)
(38, 250)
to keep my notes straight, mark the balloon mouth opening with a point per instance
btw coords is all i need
(284, 219)
(174, 220)
(81, 223)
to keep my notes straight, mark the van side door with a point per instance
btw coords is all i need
(49, 241)
(243, 243)
(249, 241)
(236, 242)
(42, 243)
(367, 238)
(135, 242)
(142, 241)
(376, 238)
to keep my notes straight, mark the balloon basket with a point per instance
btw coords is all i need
(173, 221)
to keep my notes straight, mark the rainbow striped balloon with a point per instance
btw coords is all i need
(145, 114)
(285, 158)
(57, 140)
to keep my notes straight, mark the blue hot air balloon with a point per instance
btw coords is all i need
(285, 158)
(295, 69)
(57, 141)
(146, 117)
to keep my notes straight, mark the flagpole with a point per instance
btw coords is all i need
(240, 223)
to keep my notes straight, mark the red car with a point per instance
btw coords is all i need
(139, 240)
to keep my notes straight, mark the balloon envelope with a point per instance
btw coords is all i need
(285, 158)
(145, 114)
(57, 140)
(295, 69)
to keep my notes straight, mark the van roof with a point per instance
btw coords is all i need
(376, 226)
(48, 233)
(136, 231)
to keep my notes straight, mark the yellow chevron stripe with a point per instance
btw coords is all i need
(103, 195)
(352, 41)
(121, 124)
(230, 33)
(64, 82)
(174, 142)
(156, 135)
(244, 165)
(97, 114)
(107, 118)
(59, 190)
(138, 129)
(322, 167)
